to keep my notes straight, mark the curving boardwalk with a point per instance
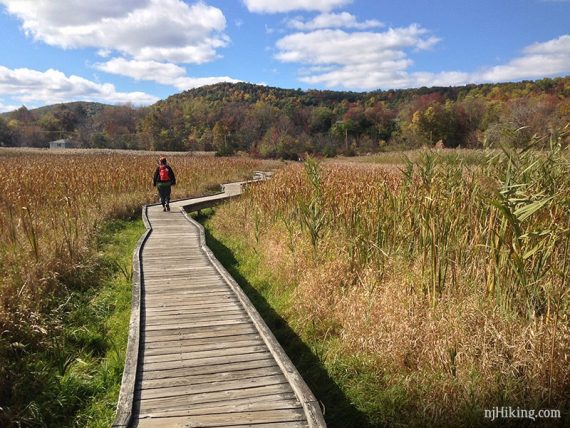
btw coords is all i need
(201, 355)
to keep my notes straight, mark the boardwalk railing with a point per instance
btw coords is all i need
(127, 392)
(302, 391)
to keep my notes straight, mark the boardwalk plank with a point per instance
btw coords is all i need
(198, 355)
(182, 402)
(209, 346)
(197, 314)
(148, 374)
(209, 378)
(156, 348)
(206, 332)
(187, 308)
(237, 405)
(202, 360)
(196, 317)
(269, 402)
(268, 417)
(234, 319)
(225, 385)
(160, 301)
(206, 361)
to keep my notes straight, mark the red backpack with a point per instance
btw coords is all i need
(163, 173)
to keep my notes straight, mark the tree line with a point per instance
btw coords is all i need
(274, 122)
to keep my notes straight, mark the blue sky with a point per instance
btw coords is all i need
(140, 51)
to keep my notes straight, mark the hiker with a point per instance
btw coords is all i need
(164, 179)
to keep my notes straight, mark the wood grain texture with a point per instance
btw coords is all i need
(204, 357)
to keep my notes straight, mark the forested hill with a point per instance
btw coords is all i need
(281, 122)
(228, 92)
(275, 122)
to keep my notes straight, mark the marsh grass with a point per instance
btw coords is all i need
(467, 157)
(53, 207)
(74, 380)
(447, 280)
(273, 298)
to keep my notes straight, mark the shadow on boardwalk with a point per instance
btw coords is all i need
(339, 412)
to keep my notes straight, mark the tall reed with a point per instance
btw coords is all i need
(451, 276)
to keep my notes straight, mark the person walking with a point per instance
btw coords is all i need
(163, 180)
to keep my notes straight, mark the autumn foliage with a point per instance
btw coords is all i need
(274, 122)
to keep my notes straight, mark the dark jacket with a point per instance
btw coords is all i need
(156, 178)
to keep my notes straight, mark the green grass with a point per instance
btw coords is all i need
(339, 388)
(74, 379)
(107, 316)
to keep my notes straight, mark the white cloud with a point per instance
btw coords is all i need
(333, 20)
(372, 60)
(538, 60)
(46, 13)
(53, 86)
(340, 47)
(360, 60)
(280, 6)
(143, 70)
(159, 30)
(561, 45)
(164, 73)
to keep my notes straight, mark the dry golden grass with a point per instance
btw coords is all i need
(451, 282)
(51, 205)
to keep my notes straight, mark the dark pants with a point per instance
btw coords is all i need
(164, 192)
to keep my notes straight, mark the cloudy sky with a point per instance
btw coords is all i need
(139, 51)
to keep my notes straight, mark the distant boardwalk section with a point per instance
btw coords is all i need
(202, 357)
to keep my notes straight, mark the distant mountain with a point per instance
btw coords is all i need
(275, 122)
(270, 121)
(251, 93)
(90, 109)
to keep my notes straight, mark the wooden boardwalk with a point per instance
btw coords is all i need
(200, 355)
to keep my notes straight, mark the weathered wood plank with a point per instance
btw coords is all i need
(194, 315)
(124, 411)
(188, 291)
(191, 356)
(196, 325)
(202, 360)
(188, 400)
(235, 419)
(310, 404)
(187, 334)
(183, 422)
(206, 361)
(206, 341)
(225, 385)
(268, 403)
(159, 302)
(184, 319)
(207, 281)
(212, 345)
(185, 308)
(265, 361)
(236, 405)
(209, 378)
